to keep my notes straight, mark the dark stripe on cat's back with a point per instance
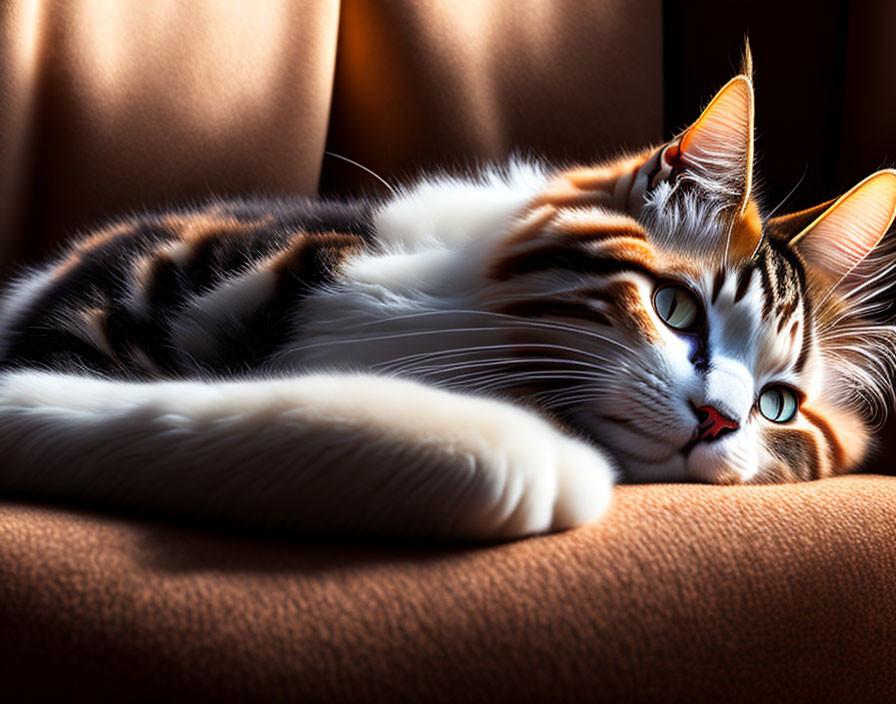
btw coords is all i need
(91, 276)
(297, 242)
(564, 257)
(131, 281)
(311, 261)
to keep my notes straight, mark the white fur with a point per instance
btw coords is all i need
(436, 236)
(455, 210)
(320, 453)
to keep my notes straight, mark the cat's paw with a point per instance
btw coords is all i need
(443, 464)
(532, 478)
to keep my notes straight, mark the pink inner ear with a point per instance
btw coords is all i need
(852, 226)
(724, 127)
(720, 143)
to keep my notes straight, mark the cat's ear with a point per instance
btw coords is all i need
(836, 241)
(714, 156)
(716, 152)
(746, 62)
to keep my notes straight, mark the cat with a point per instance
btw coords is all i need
(474, 358)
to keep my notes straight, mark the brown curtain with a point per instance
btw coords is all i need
(110, 105)
(442, 83)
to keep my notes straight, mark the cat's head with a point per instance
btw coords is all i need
(686, 334)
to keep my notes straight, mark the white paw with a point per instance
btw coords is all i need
(584, 484)
(532, 478)
(450, 465)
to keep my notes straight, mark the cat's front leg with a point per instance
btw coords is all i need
(388, 456)
(318, 454)
(481, 468)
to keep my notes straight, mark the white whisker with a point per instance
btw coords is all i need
(404, 363)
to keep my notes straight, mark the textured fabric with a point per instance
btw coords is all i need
(682, 593)
(109, 105)
(436, 83)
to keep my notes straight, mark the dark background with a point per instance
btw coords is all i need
(824, 77)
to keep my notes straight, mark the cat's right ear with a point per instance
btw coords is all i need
(716, 152)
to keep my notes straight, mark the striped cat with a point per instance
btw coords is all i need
(473, 359)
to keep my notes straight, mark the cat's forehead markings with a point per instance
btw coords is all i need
(736, 303)
(717, 282)
(744, 277)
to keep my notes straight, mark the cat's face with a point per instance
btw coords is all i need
(686, 337)
(715, 367)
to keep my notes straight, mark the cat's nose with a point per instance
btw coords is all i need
(712, 424)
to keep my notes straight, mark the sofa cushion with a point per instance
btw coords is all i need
(682, 593)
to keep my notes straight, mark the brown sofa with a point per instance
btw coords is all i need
(682, 593)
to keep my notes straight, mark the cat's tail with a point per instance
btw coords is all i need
(318, 454)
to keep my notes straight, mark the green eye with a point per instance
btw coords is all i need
(677, 307)
(778, 404)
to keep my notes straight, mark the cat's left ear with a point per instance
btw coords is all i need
(837, 241)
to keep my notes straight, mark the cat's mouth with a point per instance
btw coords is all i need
(644, 453)
(705, 448)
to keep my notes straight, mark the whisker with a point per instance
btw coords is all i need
(507, 361)
(565, 327)
(566, 396)
(790, 193)
(503, 380)
(380, 338)
(398, 364)
(364, 168)
(419, 333)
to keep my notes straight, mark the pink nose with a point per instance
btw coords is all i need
(712, 423)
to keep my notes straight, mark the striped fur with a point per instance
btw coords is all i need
(473, 358)
(181, 294)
